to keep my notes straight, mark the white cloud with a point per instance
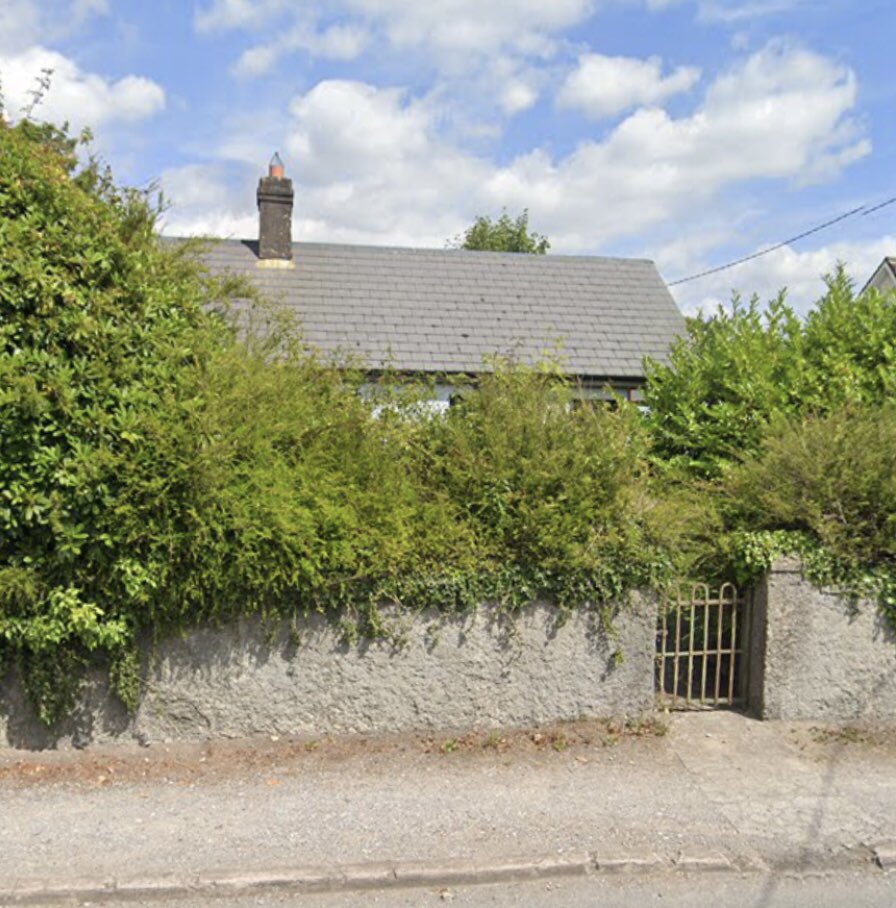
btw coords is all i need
(516, 96)
(368, 165)
(374, 165)
(474, 26)
(514, 86)
(80, 98)
(455, 36)
(800, 272)
(19, 24)
(788, 107)
(337, 42)
(203, 203)
(732, 11)
(781, 114)
(27, 22)
(489, 56)
(347, 128)
(447, 24)
(604, 86)
(221, 15)
(84, 9)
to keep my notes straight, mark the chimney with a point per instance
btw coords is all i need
(275, 197)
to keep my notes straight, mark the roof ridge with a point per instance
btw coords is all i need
(421, 250)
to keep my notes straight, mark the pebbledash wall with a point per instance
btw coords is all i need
(479, 670)
(813, 655)
(817, 655)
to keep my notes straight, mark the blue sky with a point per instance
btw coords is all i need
(691, 132)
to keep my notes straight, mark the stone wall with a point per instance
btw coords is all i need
(480, 670)
(816, 655)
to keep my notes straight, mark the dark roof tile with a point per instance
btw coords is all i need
(447, 310)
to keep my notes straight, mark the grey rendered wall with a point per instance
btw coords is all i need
(475, 671)
(816, 655)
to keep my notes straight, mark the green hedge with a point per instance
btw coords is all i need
(743, 366)
(156, 472)
(823, 487)
(776, 433)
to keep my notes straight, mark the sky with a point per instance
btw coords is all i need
(690, 132)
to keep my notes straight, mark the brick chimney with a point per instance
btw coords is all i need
(275, 197)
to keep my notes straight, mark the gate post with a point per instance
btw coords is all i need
(817, 654)
(755, 693)
(775, 637)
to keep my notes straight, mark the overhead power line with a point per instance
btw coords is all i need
(863, 210)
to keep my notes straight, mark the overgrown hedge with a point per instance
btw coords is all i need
(746, 365)
(823, 487)
(157, 472)
(777, 435)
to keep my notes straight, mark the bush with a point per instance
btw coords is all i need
(738, 370)
(825, 487)
(338, 501)
(555, 493)
(103, 338)
(156, 472)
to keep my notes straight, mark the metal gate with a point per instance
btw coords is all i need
(701, 648)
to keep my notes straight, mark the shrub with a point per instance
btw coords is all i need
(554, 492)
(740, 369)
(825, 487)
(103, 337)
(724, 380)
(157, 472)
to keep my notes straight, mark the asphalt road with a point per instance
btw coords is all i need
(860, 889)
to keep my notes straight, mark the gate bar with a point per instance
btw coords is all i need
(704, 685)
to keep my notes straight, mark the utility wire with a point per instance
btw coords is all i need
(864, 210)
(877, 207)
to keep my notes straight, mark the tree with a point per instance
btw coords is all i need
(506, 234)
(104, 337)
(739, 369)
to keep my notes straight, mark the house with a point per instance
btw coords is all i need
(884, 278)
(444, 312)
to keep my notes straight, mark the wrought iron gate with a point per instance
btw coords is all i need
(701, 648)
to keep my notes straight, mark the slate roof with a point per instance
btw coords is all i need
(445, 310)
(884, 277)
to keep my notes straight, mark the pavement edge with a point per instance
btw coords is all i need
(392, 875)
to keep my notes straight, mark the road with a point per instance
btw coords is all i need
(718, 790)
